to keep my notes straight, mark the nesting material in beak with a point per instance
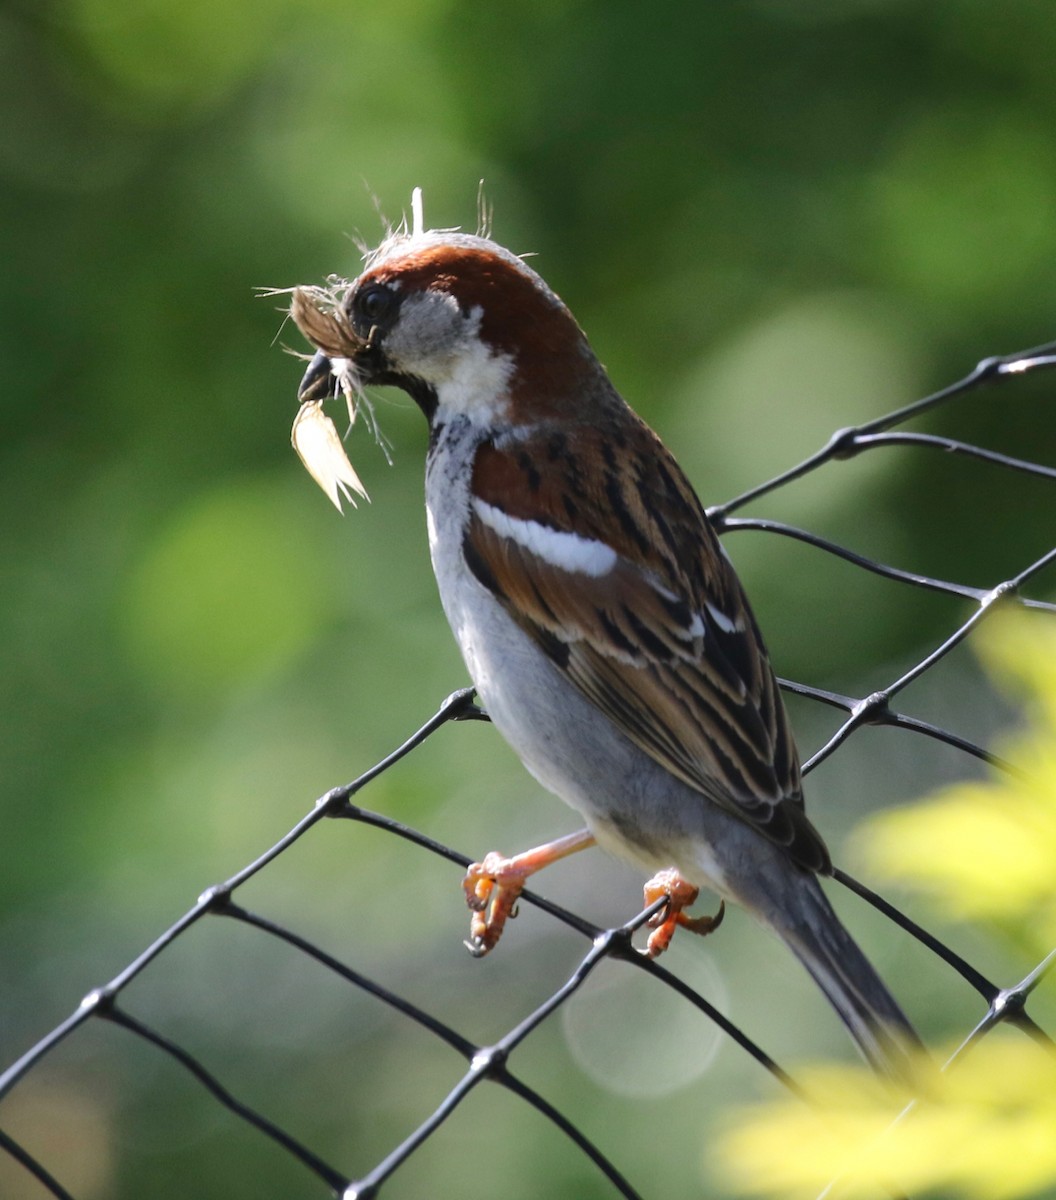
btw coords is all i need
(314, 436)
(319, 447)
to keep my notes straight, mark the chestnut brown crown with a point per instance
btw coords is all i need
(461, 324)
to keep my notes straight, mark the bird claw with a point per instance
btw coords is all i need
(492, 888)
(679, 895)
(476, 948)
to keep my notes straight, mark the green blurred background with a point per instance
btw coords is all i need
(774, 218)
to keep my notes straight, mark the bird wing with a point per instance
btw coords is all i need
(620, 579)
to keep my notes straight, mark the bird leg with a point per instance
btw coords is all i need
(492, 886)
(680, 895)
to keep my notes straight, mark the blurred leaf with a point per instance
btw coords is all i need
(987, 851)
(984, 1132)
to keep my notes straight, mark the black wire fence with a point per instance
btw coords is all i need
(498, 1063)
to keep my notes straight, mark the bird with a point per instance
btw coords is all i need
(602, 624)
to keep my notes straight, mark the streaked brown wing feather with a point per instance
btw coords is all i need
(704, 706)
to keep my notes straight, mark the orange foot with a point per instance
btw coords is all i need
(493, 886)
(680, 895)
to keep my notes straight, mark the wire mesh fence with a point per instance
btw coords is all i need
(503, 1062)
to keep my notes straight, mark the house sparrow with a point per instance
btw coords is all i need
(601, 622)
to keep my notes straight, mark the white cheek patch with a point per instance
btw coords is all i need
(436, 341)
(428, 331)
(566, 551)
(477, 383)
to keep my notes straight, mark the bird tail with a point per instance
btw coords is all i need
(878, 1025)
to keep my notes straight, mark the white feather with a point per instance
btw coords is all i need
(725, 623)
(417, 213)
(316, 442)
(568, 551)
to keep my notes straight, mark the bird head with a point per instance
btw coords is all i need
(458, 322)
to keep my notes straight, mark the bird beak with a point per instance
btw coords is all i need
(316, 383)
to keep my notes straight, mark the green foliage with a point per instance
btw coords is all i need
(985, 1133)
(986, 852)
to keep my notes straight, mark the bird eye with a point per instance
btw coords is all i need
(372, 306)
